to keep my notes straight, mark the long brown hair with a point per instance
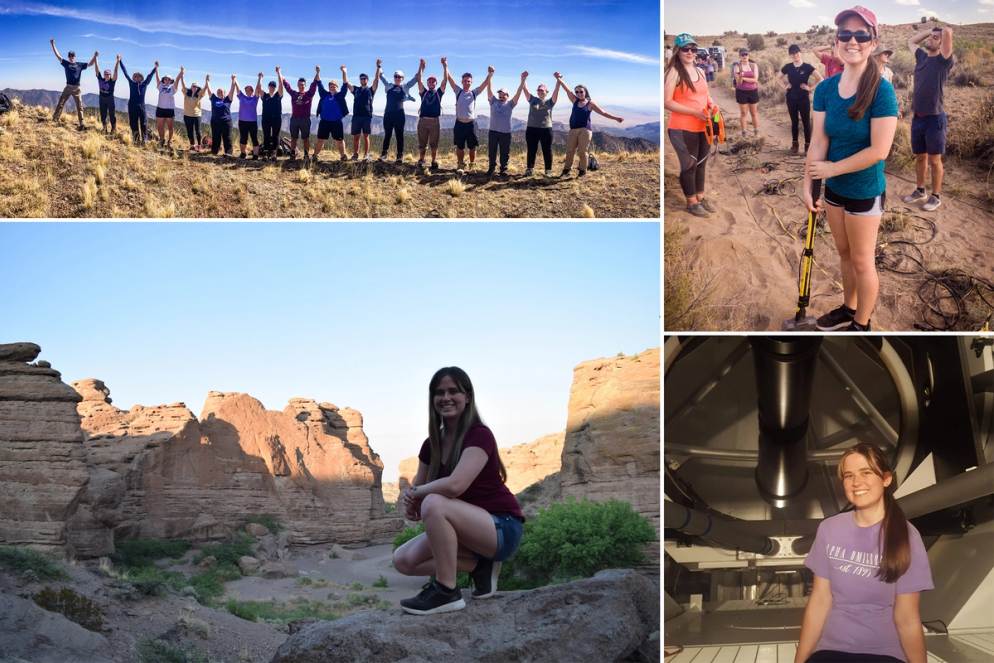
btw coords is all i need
(869, 82)
(681, 71)
(896, 548)
(470, 416)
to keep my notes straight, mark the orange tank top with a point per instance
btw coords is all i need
(696, 99)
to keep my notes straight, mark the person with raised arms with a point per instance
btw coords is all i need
(394, 118)
(798, 91)
(472, 522)
(855, 117)
(106, 84)
(248, 117)
(464, 131)
(272, 118)
(499, 138)
(362, 109)
(580, 131)
(539, 129)
(165, 107)
(74, 71)
(429, 127)
(300, 113)
(137, 117)
(829, 56)
(332, 108)
(221, 118)
(192, 111)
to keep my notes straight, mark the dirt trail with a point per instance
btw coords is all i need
(759, 254)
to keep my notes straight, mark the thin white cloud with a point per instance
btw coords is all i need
(987, 2)
(827, 19)
(198, 49)
(801, 4)
(595, 52)
(907, 2)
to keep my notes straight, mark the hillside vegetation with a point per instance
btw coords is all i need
(51, 170)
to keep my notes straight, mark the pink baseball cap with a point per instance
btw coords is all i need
(107, 71)
(432, 78)
(863, 13)
(543, 86)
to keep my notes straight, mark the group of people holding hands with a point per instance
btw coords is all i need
(848, 132)
(332, 109)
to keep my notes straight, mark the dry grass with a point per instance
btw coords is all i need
(973, 135)
(588, 211)
(91, 146)
(901, 154)
(89, 194)
(455, 187)
(403, 195)
(693, 299)
(303, 176)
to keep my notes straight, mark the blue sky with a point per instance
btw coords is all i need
(799, 15)
(357, 314)
(611, 47)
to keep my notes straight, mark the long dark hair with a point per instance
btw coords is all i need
(470, 416)
(896, 548)
(681, 71)
(869, 82)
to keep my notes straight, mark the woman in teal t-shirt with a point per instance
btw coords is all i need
(855, 116)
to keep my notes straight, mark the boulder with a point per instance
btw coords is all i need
(277, 570)
(345, 553)
(29, 633)
(256, 530)
(249, 563)
(610, 617)
(207, 563)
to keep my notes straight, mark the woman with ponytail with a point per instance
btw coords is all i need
(869, 568)
(472, 520)
(854, 119)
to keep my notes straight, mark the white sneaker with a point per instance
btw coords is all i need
(932, 203)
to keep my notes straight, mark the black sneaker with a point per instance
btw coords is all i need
(490, 171)
(434, 165)
(485, 578)
(398, 162)
(434, 599)
(836, 319)
(856, 327)
(343, 158)
(581, 173)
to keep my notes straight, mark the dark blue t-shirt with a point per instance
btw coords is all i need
(220, 108)
(797, 76)
(106, 87)
(930, 80)
(431, 103)
(846, 137)
(73, 71)
(272, 106)
(363, 104)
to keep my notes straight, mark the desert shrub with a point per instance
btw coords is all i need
(256, 611)
(210, 584)
(229, 551)
(356, 600)
(797, 37)
(267, 520)
(160, 651)
(194, 625)
(781, 42)
(406, 534)
(771, 33)
(138, 554)
(20, 560)
(578, 539)
(716, 43)
(74, 607)
(150, 581)
(303, 580)
(756, 42)
(357, 587)
(381, 582)
(972, 135)
(823, 30)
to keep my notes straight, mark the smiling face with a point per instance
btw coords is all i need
(883, 58)
(467, 82)
(301, 85)
(449, 401)
(796, 57)
(688, 54)
(249, 91)
(864, 487)
(853, 52)
(501, 96)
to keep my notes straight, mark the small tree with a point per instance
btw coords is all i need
(781, 42)
(823, 30)
(756, 42)
(716, 43)
(797, 38)
(924, 19)
(771, 33)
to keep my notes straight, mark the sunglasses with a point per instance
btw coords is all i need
(398, 76)
(577, 91)
(688, 49)
(862, 36)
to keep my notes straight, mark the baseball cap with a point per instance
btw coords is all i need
(862, 12)
(107, 71)
(543, 86)
(504, 90)
(398, 73)
(794, 48)
(72, 54)
(272, 84)
(683, 40)
(743, 51)
(432, 78)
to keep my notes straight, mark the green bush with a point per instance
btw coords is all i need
(578, 539)
(388, 507)
(303, 580)
(255, 611)
(150, 581)
(406, 534)
(382, 582)
(781, 42)
(210, 583)
(267, 520)
(771, 33)
(229, 551)
(139, 554)
(356, 587)
(756, 42)
(160, 651)
(74, 607)
(19, 560)
(356, 600)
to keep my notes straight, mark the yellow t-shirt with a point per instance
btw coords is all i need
(191, 104)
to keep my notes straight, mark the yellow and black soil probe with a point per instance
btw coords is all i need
(800, 322)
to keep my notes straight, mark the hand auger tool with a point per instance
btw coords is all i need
(715, 129)
(800, 322)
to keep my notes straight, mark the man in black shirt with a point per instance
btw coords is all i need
(73, 72)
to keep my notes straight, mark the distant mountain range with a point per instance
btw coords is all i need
(49, 98)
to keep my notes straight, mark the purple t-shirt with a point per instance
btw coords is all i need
(861, 620)
(248, 108)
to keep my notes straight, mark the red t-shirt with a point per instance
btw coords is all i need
(832, 66)
(487, 490)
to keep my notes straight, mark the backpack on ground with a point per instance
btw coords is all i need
(592, 163)
(284, 147)
(206, 143)
(5, 103)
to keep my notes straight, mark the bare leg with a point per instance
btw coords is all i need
(921, 166)
(935, 163)
(862, 234)
(318, 146)
(837, 222)
(460, 154)
(472, 155)
(755, 116)
(341, 147)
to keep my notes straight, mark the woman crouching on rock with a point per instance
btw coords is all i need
(472, 520)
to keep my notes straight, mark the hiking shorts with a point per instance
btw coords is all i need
(428, 131)
(928, 134)
(857, 207)
(361, 125)
(333, 128)
(300, 127)
(509, 530)
(463, 134)
(165, 112)
(747, 96)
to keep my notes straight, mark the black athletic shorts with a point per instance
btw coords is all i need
(747, 96)
(165, 112)
(362, 125)
(333, 128)
(464, 134)
(855, 206)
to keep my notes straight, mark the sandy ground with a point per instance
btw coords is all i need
(756, 240)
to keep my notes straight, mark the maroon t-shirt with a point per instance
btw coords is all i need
(487, 490)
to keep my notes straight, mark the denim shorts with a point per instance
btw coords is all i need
(509, 530)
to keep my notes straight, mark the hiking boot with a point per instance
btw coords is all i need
(836, 319)
(485, 578)
(548, 173)
(383, 157)
(565, 172)
(529, 172)
(504, 172)
(343, 158)
(490, 171)
(744, 133)
(241, 156)
(916, 196)
(368, 158)
(706, 205)
(255, 157)
(434, 165)
(398, 162)
(697, 210)
(932, 203)
(804, 150)
(355, 157)
(472, 166)
(793, 147)
(755, 133)
(421, 163)
(434, 599)
(856, 327)
(293, 157)
(581, 173)
(81, 128)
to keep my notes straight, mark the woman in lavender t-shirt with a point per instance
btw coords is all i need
(870, 568)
